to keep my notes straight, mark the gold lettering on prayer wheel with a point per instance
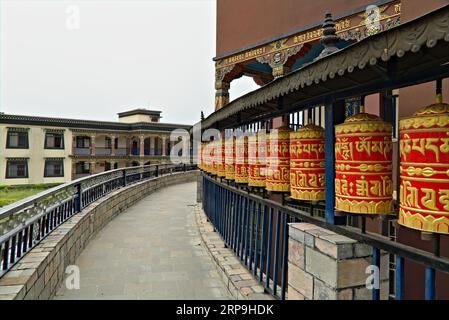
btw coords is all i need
(241, 159)
(363, 165)
(220, 158)
(230, 158)
(278, 160)
(307, 166)
(257, 159)
(424, 170)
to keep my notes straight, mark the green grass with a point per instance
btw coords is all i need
(11, 194)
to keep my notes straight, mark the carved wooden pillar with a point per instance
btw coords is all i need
(113, 145)
(164, 146)
(92, 167)
(92, 145)
(73, 175)
(152, 144)
(142, 146)
(221, 94)
(73, 144)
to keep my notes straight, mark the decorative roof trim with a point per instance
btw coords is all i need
(18, 129)
(89, 124)
(140, 111)
(408, 37)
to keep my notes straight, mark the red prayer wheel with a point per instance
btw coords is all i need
(278, 160)
(257, 159)
(220, 157)
(424, 170)
(241, 159)
(230, 158)
(307, 166)
(363, 165)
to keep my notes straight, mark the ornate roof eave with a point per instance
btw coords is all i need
(424, 31)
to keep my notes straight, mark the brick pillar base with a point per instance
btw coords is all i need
(323, 265)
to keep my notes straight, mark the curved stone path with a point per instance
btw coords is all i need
(151, 251)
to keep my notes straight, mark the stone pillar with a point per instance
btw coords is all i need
(323, 265)
(92, 167)
(142, 146)
(92, 145)
(113, 146)
(164, 146)
(73, 174)
(73, 144)
(221, 94)
(152, 142)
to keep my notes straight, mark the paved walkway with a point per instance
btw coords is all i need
(151, 251)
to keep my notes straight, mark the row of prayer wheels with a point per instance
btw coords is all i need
(294, 162)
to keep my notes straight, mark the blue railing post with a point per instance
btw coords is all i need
(284, 255)
(269, 239)
(124, 177)
(78, 201)
(334, 114)
(430, 283)
(399, 292)
(376, 262)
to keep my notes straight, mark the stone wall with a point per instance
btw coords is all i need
(323, 265)
(40, 272)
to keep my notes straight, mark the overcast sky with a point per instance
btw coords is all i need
(94, 58)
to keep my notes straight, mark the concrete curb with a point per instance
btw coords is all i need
(239, 281)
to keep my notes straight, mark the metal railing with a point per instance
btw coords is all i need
(81, 151)
(25, 223)
(256, 229)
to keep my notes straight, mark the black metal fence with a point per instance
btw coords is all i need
(256, 229)
(25, 223)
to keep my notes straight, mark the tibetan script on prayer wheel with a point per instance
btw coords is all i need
(241, 159)
(220, 157)
(363, 165)
(257, 159)
(278, 160)
(230, 158)
(424, 170)
(307, 167)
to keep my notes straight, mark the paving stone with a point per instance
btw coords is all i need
(150, 251)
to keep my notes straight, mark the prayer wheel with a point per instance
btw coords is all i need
(220, 157)
(241, 159)
(424, 169)
(363, 165)
(307, 166)
(257, 159)
(230, 158)
(278, 160)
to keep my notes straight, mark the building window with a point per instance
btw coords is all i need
(82, 142)
(54, 141)
(82, 168)
(16, 169)
(17, 140)
(108, 143)
(54, 168)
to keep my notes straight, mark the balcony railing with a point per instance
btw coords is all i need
(81, 151)
(25, 223)
(121, 152)
(103, 151)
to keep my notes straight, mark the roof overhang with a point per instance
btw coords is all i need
(412, 53)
